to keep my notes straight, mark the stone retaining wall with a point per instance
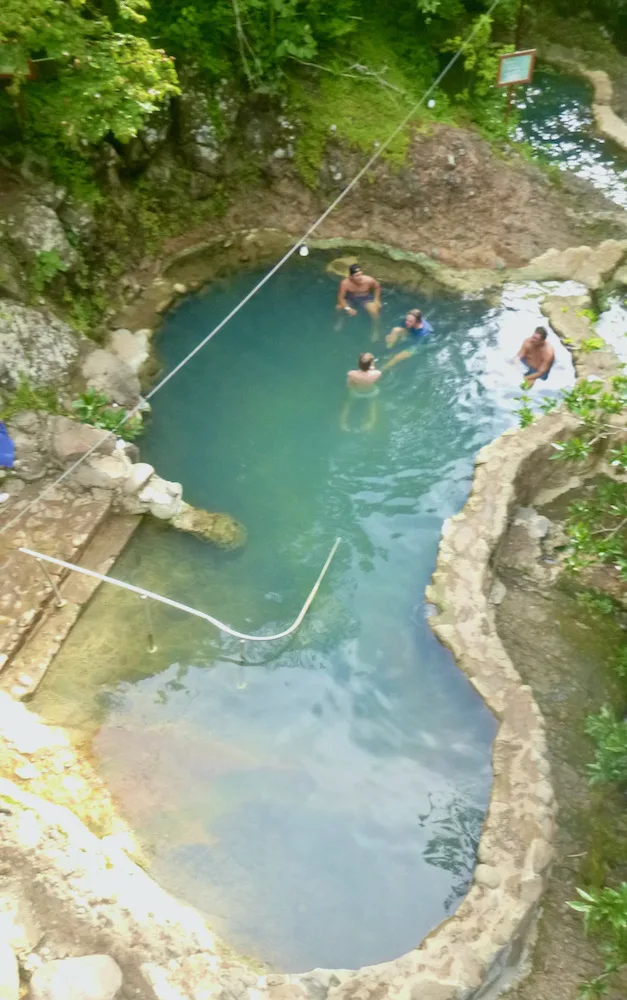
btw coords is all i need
(607, 121)
(87, 896)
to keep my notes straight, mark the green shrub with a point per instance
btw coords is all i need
(47, 265)
(95, 408)
(27, 397)
(605, 917)
(610, 736)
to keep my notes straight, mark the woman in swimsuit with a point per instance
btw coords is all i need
(361, 384)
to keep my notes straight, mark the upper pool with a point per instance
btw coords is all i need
(556, 119)
(323, 802)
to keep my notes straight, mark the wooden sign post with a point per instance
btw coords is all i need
(515, 68)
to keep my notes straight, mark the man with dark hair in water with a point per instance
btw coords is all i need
(359, 289)
(537, 355)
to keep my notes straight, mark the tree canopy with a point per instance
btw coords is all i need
(82, 70)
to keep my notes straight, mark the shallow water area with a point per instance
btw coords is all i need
(321, 798)
(612, 325)
(555, 118)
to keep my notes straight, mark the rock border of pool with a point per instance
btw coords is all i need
(74, 893)
(609, 124)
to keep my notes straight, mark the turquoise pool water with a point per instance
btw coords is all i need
(323, 800)
(556, 119)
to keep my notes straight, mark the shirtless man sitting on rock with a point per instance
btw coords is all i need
(537, 355)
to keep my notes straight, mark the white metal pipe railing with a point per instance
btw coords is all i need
(40, 557)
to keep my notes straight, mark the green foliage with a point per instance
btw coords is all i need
(525, 414)
(592, 344)
(93, 79)
(619, 663)
(605, 917)
(90, 407)
(597, 602)
(96, 408)
(28, 397)
(47, 265)
(360, 97)
(596, 526)
(610, 736)
(255, 39)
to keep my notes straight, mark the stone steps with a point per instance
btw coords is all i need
(28, 666)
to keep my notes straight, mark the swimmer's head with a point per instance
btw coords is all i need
(413, 318)
(354, 270)
(539, 335)
(366, 361)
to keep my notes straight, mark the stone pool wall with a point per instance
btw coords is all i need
(609, 124)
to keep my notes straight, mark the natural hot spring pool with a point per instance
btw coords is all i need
(327, 813)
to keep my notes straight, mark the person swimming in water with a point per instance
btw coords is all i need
(413, 328)
(360, 289)
(537, 355)
(362, 385)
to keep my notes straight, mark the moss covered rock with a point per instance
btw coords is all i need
(219, 529)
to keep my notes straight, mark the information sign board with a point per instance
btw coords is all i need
(516, 67)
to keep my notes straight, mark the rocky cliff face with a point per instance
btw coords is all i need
(215, 163)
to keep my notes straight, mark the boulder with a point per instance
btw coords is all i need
(589, 265)
(103, 472)
(129, 449)
(9, 976)
(131, 348)
(70, 440)
(198, 135)
(29, 433)
(12, 276)
(137, 477)
(35, 345)
(161, 498)
(138, 152)
(32, 227)
(220, 529)
(18, 925)
(93, 977)
(107, 373)
(78, 217)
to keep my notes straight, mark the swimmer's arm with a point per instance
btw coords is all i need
(377, 292)
(401, 356)
(523, 351)
(341, 298)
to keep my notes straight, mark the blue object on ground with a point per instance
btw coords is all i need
(7, 448)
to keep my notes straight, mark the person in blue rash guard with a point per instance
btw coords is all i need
(413, 329)
(7, 449)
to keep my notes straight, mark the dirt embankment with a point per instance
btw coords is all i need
(455, 199)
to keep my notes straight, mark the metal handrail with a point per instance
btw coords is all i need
(40, 557)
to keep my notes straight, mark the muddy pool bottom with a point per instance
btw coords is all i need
(320, 798)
